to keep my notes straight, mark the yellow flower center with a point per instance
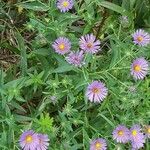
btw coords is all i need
(120, 133)
(137, 68)
(98, 145)
(40, 141)
(65, 4)
(134, 132)
(140, 38)
(62, 46)
(95, 90)
(28, 139)
(89, 45)
(148, 130)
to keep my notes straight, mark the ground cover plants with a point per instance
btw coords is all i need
(75, 75)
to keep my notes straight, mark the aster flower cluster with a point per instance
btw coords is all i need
(87, 44)
(140, 66)
(122, 134)
(97, 91)
(29, 140)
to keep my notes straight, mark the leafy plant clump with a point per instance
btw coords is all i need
(74, 74)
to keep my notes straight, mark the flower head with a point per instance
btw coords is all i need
(124, 20)
(141, 38)
(62, 45)
(43, 142)
(53, 99)
(96, 91)
(132, 89)
(121, 134)
(98, 144)
(28, 140)
(89, 44)
(64, 5)
(75, 58)
(139, 68)
(147, 131)
(137, 137)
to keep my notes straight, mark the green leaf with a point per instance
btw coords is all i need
(113, 7)
(63, 68)
(2, 27)
(115, 54)
(107, 120)
(34, 5)
(63, 65)
(132, 3)
(42, 51)
(21, 47)
(21, 118)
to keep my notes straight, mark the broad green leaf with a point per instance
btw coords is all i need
(2, 27)
(17, 106)
(34, 5)
(107, 120)
(63, 68)
(21, 47)
(42, 51)
(115, 54)
(113, 7)
(21, 118)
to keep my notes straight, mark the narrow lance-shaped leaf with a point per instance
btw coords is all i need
(34, 5)
(21, 47)
(114, 7)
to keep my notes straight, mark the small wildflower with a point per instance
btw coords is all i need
(124, 21)
(75, 58)
(29, 140)
(43, 142)
(96, 91)
(137, 137)
(139, 68)
(141, 38)
(62, 45)
(121, 134)
(65, 5)
(89, 44)
(98, 144)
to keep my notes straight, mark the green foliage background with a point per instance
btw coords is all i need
(39, 90)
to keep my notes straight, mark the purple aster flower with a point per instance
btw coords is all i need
(141, 38)
(121, 134)
(96, 91)
(98, 144)
(64, 5)
(29, 140)
(89, 44)
(137, 145)
(139, 68)
(62, 45)
(137, 137)
(43, 142)
(75, 58)
(147, 131)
